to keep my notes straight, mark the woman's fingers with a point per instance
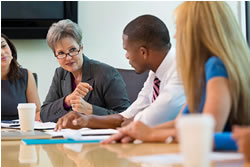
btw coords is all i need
(127, 139)
(83, 88)
(115, 137)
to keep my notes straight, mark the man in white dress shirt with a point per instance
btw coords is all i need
(147, 44)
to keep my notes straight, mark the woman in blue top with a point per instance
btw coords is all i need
(213, 60)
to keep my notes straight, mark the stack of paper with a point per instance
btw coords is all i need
(14, 124)
(84, 132)
(9, 124)
(84, 135)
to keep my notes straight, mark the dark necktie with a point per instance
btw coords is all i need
(156, 88)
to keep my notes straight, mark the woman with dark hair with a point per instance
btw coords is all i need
(17, 84)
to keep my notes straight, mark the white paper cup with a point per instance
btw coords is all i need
(27, 154)
(196, 136)
(26, 113)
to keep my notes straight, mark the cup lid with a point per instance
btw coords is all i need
(26, 105)
(195, 119)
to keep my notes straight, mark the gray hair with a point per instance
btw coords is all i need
(62, 29)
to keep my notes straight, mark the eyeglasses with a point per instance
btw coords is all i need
(72, 52)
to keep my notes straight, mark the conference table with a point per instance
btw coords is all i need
(16, 154)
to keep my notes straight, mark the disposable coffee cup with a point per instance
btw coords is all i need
(27, 154)
(196, 137)
(26, 113)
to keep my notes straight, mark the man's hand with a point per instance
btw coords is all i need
(72, 120)
(126, 121)
(81, 91)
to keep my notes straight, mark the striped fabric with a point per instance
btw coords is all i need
(156, 87)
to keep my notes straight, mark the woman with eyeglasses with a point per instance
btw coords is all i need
(81, 84)
(17, 84)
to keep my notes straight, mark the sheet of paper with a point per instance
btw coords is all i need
(177, 158)
(10, 125)
(103, 137)
(44, 126)
(87, 131)
(62, 132)
(37, 126)
(82, 132)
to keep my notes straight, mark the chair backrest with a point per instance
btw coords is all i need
(134, 82)
(36, 79)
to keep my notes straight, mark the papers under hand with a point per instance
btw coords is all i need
(75, 135)
(78, 136)
(82, 132)
(37, 126)
(10, 123)
(90, 134)
(83, 135)
(44, 126)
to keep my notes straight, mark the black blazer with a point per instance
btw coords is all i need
(108, 96)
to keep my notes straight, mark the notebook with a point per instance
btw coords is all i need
(18, 135)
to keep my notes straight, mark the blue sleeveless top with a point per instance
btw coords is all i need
(13, 93)
(214, 67)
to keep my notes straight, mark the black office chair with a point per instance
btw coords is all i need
(134, 82)
(36, 79)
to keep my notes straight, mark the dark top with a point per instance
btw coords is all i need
(73, 88)
(214, 67)
(13, 93)
(108, 96)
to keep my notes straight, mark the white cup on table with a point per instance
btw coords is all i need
(26, 113)
(196, 137)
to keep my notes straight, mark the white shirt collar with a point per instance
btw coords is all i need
(166, 64)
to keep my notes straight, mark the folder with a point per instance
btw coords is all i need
(56, 141)
(224, 141)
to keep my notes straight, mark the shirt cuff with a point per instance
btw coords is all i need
(66, 107)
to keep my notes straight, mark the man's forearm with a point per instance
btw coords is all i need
(110, 121)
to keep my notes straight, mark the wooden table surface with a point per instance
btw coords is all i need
(16, 154)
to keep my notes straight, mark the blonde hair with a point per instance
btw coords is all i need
(206, 29)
